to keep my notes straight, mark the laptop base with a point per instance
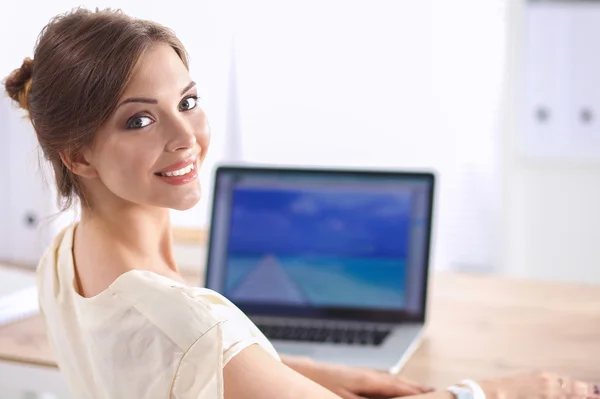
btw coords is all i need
(390, 356)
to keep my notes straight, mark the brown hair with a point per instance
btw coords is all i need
(83, 61)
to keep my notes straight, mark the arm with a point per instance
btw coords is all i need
(348, 382)
(254, 374)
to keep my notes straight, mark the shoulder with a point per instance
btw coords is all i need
(56, 259)
(186, 314)
(183, 313)
(63, 241)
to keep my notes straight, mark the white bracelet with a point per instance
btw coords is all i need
(478, 393)
(460, 392)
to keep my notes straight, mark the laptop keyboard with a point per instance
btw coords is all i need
(349, 335)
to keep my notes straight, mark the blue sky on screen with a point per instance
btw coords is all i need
(345, 222)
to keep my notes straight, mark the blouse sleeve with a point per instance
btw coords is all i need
(200, 373)
(237, 331)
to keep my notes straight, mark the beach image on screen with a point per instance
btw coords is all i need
(321, 247)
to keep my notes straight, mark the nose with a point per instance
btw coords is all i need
(182, 135)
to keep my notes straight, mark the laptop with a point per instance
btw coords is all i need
(329, 264)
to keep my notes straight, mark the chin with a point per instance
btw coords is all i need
(184, 206)
(185, 202)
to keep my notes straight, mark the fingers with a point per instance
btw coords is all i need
(577, 389)
(389, 385)
(399, 389)
(422, 388)
(345, 394)
(584, 390)
(562, 387)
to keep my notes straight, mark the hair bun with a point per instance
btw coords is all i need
(18, 83)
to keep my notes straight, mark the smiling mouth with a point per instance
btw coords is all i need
(179, 172)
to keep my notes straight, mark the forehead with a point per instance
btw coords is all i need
(159, 71)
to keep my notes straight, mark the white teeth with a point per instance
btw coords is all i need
(180, 172)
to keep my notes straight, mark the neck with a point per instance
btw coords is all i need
(136, 237)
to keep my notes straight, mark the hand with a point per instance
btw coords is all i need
(538, 386)
(355, 383)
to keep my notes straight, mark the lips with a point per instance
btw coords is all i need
(180, 173)
(179, 168)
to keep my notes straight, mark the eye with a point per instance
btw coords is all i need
(138, 122)
(188, 103)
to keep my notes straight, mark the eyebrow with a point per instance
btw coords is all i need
(147, 100)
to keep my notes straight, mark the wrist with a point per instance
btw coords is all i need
(467, 389)
(460, 392)
(490, 389)
(475, 387)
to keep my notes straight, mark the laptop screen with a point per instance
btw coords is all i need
(321, 243)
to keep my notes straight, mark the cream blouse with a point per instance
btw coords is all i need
(145, 336)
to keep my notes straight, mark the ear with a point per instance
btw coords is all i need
(78, 164)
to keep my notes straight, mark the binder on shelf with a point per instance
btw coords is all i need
(561, 106)
(27, 195)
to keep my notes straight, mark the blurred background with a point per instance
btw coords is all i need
(500, 98)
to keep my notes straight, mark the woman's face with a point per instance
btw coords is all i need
(150, 150)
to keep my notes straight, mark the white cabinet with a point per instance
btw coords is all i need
(560, 115)
(20, 381)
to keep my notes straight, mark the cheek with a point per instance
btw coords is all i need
(203, 134)
(128, 164)
(203, 142)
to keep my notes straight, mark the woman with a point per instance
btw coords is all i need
(116, 114)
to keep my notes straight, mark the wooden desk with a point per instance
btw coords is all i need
(480, 327)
